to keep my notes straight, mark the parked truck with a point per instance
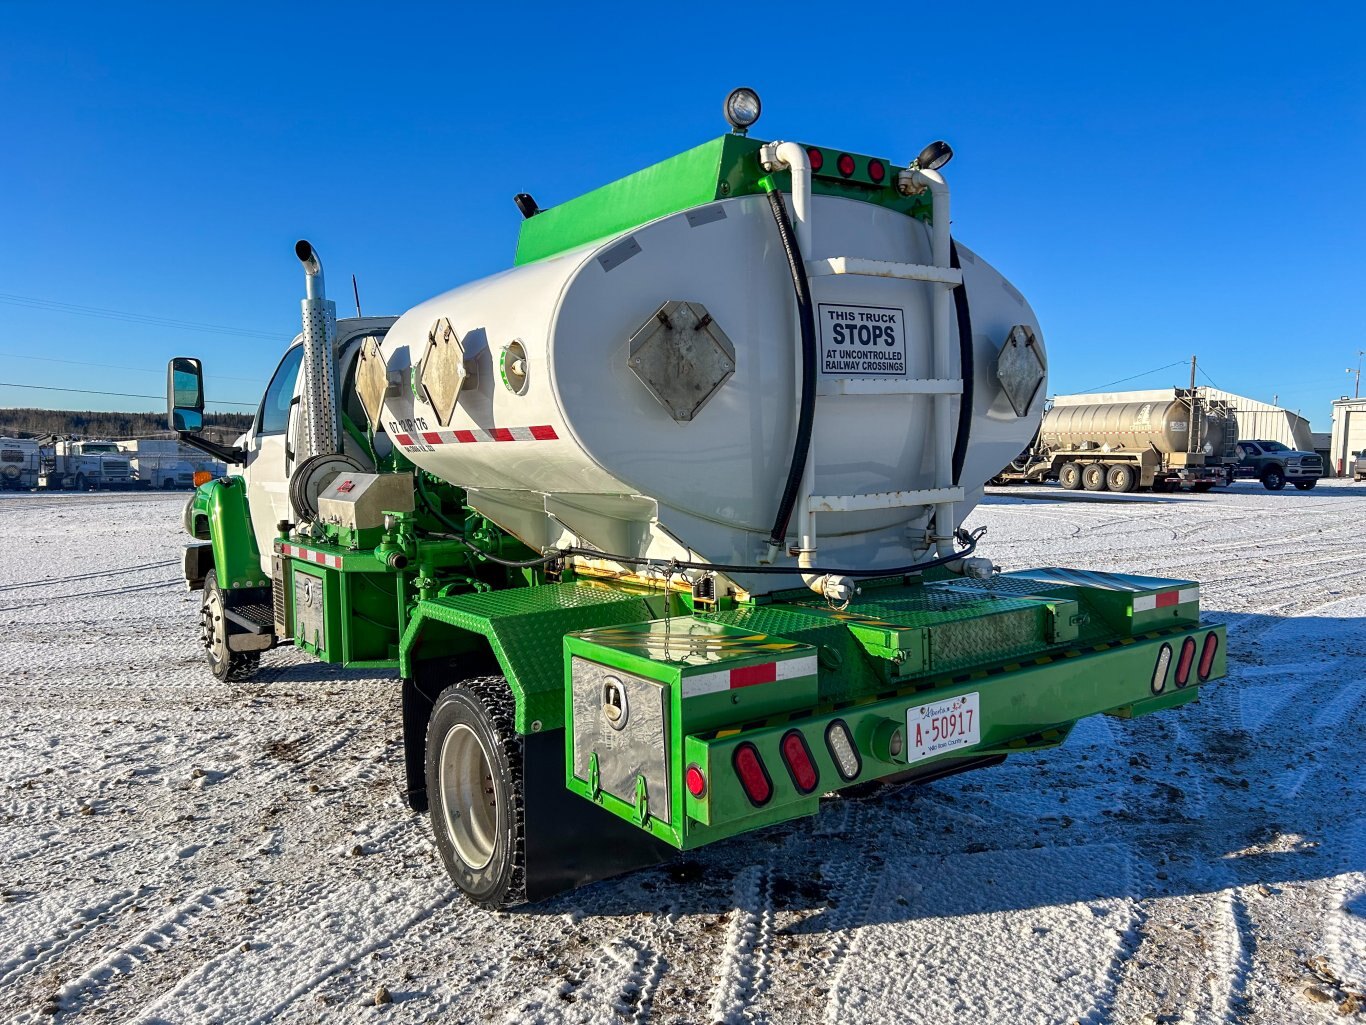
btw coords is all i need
(1274, 463)
(19, 463)
(663, 529)
(168, 473)
(85, 465)
(1184, 441)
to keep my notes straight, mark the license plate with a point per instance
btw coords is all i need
(943, 726)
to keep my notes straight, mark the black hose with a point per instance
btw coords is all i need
(966, 369)
(806, 410)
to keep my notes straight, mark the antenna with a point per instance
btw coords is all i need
(356, 292)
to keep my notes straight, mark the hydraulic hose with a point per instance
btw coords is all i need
(965, 367)
(806, 409)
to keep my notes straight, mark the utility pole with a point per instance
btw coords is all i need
(1193, 429)
(1356, 393)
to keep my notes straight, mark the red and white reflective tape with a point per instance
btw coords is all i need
(1165, 599)
(733, 679)
(308, 555)
(543, 432)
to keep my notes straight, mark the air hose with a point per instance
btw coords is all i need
(806, 409)
(965, 367)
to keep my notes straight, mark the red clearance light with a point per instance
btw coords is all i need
(1207, 654)
(800, 767)
(753, 776)
(1185, 662)
(845, 164)
(695, 781)
(877, 170)
(816, 157)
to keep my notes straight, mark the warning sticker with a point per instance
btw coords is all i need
(862, 340)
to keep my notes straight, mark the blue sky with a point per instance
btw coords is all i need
(1159, 181)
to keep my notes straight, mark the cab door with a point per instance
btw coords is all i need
(269, 451)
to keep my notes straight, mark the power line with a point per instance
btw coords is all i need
(1111, 384)
(53, 306)
(114, 394)
(1207, 377)
(115, 366)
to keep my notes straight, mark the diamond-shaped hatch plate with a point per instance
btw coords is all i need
(1020, 368)
(372, 381)
(443, 370)
(682, 356)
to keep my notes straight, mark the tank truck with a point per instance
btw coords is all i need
(662, 530)
(1131, 441)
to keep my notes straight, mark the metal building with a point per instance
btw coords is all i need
(1349, 432)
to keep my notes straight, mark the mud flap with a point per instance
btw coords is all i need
(571, 842)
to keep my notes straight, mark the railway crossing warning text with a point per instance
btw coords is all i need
(862, 340)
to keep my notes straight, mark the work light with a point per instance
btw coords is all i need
(742, 109)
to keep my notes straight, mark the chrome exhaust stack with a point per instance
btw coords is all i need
(322, 432)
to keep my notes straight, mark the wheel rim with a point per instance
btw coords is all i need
(212, 633)
(468, 803)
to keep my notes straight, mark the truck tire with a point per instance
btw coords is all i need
(226, 665)
(1273, 478)
(1305, 485)
(80, 482)
(474, 791)
(1093, 477)
(1069, 476)
(1122, 478)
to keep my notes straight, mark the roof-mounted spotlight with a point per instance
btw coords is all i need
(742, 109)
(934, 156)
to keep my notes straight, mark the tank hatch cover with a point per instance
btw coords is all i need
(1020, 369)
(683, 357)
(443, 370)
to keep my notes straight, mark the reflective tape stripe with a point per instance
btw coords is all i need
(748, 676)
(1165, 599)
(309, 555)
(541, 432)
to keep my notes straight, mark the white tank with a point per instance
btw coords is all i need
(581, 451)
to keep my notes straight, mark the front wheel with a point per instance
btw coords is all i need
(1069, 476)
(474, 786)
(1273, 479)
(1305, 485)
(80, 482)
(225, 664)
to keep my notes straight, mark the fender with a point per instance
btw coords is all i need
(218, 513)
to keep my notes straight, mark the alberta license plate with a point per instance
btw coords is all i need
(943, 726)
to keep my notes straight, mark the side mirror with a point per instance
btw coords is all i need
(184, 394)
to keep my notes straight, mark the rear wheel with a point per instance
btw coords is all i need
(1273, 478)
(474, 786)
(1121, 478)
(1069, 476)
(225, 664)
(1203, 486)
(1093, 477)
(1305, 485)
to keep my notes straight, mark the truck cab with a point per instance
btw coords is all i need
(86, 465)
(1274, 464)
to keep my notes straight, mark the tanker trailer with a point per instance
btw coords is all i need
(662, 528)
(1131, 441)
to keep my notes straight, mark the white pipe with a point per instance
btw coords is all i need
(940, 249)
(799, 163)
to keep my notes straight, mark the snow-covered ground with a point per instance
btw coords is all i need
(177, 850)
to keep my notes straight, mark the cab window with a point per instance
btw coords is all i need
(274, 415)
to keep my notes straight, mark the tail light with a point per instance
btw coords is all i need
(1164, 659)
(1186, 662)
(1207, 654)
(797, 757)
(816, 157)
(877, 170)
(753, 776)
(695, 781)
(840, 743)
(845, 163)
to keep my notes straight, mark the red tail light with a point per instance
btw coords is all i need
(797, 757)
(1207, 654)
(753, 776)
(695, 781)
(1185, 662)
(816, 157)
(845, 164)
(877, 170)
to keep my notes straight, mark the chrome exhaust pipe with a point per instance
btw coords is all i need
(322, 431)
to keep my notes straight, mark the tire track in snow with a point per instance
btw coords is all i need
(742, 974)
(94, 574)
(36, 955)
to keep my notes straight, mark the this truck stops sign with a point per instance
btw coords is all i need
(867, 341)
